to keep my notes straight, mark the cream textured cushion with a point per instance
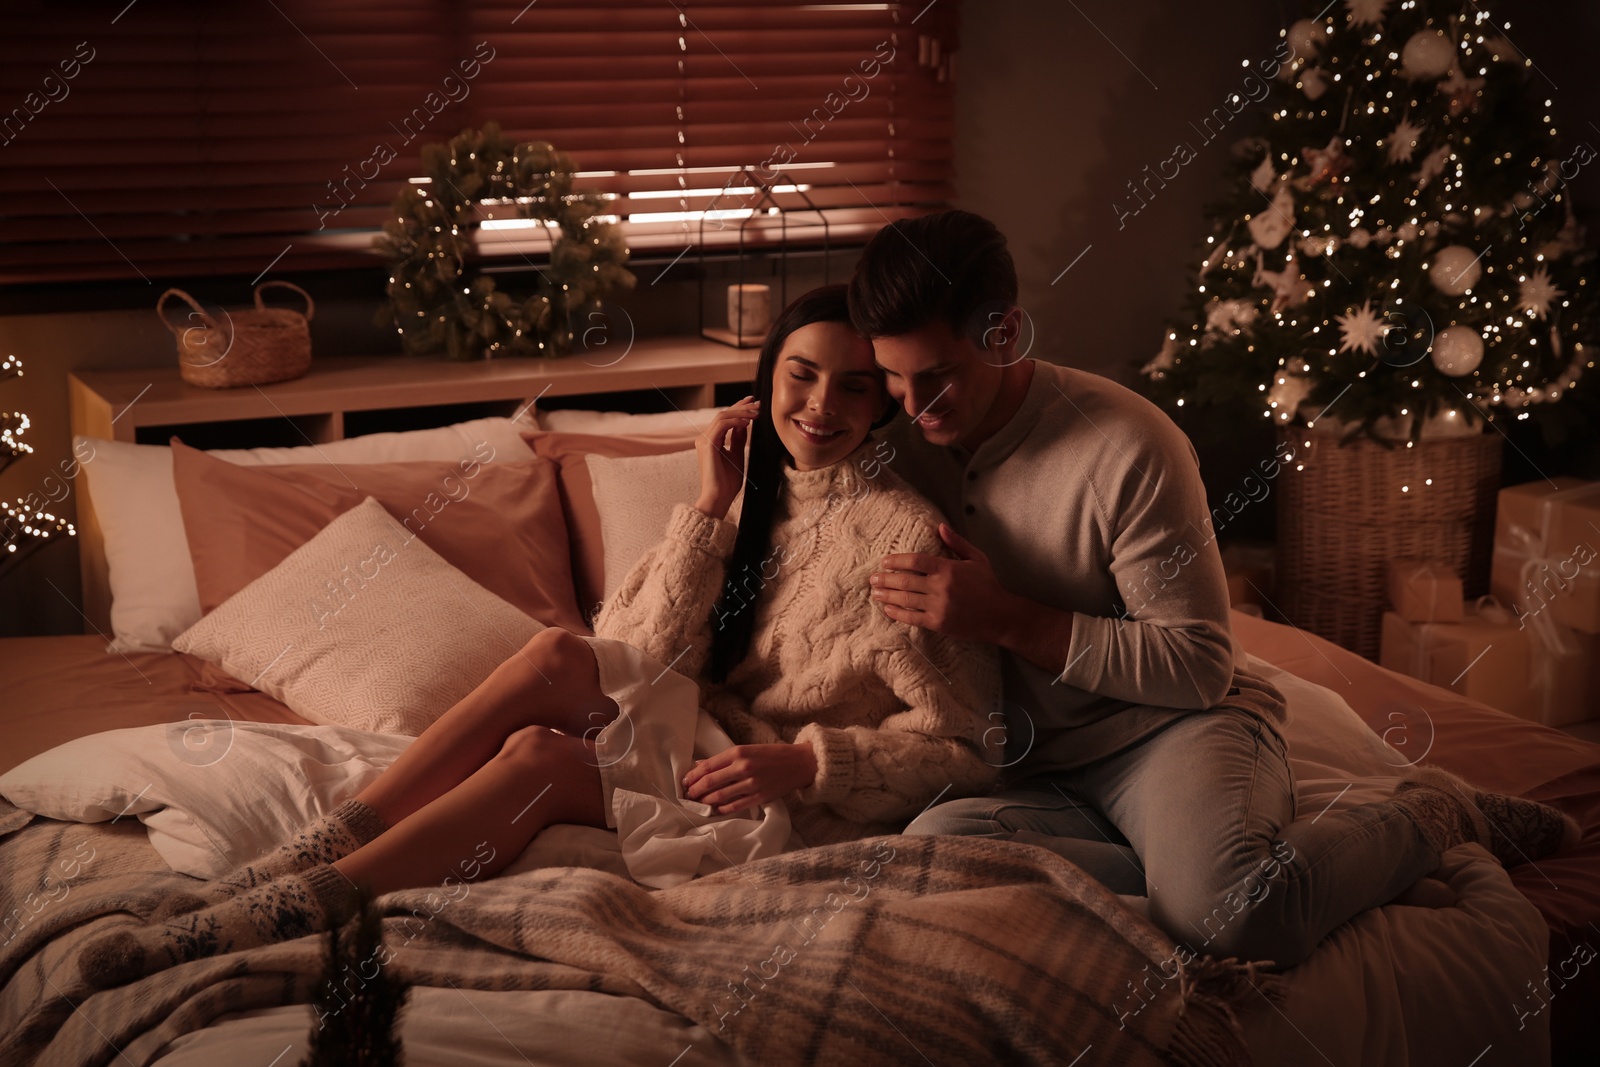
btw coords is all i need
(362, 626)
(635, 496)
(153, 597)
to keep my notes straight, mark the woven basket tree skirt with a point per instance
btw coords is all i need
(1344, 512)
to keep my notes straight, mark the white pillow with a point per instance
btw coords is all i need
(211, 792)
(635, 496)
(624, 423)
(363, 626)
(214, 793)
(153, 595)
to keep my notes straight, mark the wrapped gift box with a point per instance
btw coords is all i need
(1425, 591)
(1551, 676)
(1547, 551)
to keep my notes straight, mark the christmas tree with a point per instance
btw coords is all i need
(27, 526)
(1398, 249)
(435, 305)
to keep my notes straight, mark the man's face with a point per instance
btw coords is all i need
(945, 382)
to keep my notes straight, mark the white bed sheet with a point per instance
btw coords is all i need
(1402, 986)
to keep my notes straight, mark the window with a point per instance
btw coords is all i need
(166, 138)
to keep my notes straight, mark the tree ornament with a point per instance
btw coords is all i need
(1400, 144)
(1288, 392)
(1313, 82)
(1432, 166)
(1457, 350)
(1359, 237)
(1289, 286)
(1324, 164)
(435, 304)
(1366, 12)
(1462, 92)
(1362, 329)
(1230, 316)
(1427, 55)
(1305, 37)
(1538, 293)
(1455, 270)
(1272, 224)
(1263, 176)
(1502, 50)
(1159, 364)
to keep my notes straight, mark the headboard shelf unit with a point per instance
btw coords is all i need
(353, 395)
(147, 405)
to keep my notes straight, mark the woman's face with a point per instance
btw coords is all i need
(826, 393)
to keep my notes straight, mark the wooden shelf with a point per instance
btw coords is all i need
(115, 404)
(118, 404)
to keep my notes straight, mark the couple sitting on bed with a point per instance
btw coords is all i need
(848, 641)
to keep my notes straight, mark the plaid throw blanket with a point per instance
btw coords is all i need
(891, 950)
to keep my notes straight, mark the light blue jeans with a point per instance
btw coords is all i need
(1207, 805)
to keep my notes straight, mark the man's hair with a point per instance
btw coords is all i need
(952, 267)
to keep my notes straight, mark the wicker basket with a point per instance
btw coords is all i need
(249, 348)
(1345, 512)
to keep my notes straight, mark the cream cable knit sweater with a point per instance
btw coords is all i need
(897, 715)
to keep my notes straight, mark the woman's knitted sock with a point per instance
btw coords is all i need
(327, 840)
(1450, 811)
(288, 907)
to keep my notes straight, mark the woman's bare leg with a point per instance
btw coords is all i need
(553, 682)
(538, 777)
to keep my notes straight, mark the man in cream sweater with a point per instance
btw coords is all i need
(1141, 746)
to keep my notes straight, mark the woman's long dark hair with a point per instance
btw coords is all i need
(733, 616)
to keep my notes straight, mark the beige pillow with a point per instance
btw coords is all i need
(635, 496)
(362, 626)
(153, 596)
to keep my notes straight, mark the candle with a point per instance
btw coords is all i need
(749, 310)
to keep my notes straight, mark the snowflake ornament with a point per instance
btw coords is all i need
(1538, 293)
(1362, 330)
(1402, 143)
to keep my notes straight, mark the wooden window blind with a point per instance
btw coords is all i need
(165, 138)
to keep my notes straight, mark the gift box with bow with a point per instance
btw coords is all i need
(1547, 552)
(1546, 673)
(1423, 590)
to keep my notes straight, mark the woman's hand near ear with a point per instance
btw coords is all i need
(721, 452)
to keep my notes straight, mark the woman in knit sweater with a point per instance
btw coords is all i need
(760, 634)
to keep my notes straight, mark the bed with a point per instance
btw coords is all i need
(561, 959)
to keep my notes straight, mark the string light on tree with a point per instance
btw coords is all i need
(25, 527)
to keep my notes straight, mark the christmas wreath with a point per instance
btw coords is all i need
(435, 304)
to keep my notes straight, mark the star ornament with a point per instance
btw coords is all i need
(1538, 293)
(1402, 143)
(1366, 12)
(1362, 330)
